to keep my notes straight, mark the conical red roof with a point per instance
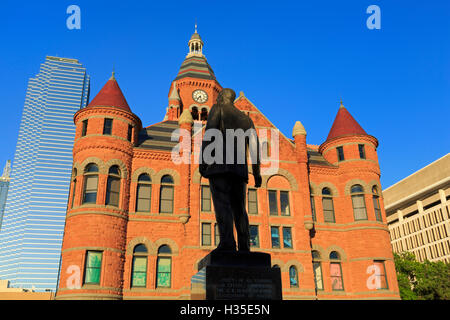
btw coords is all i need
(344, 124)
(110, 96)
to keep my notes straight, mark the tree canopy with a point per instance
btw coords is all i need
(422, 280)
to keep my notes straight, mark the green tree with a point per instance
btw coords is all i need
(422, 281)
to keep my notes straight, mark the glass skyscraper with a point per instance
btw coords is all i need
(34, 217)
(4, 185)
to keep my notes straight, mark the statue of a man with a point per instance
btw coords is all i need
(228, 173)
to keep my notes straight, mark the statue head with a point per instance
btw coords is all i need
(226, 96)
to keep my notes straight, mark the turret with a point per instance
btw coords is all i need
(174, 110)
(95, 232)
(347, 141)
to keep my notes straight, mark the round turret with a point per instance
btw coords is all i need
(95, 232)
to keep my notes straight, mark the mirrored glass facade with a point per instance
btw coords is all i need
(33, 221)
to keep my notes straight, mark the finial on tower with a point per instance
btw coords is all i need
(341, 105)
(195, 25)
(113, 75)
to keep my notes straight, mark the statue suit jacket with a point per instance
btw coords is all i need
(224, 117)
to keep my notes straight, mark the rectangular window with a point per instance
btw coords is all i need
(93, 266)
(163, 272)
(206, 234)
(328, 209)
(216, 235)
(376, 205)
(252, 201)
(336, 276)
(130, 132)
(313, 209)
(284, 203)
(381, 274)
(275, 235)
(84, 129)
(90, 193)
(166, 202)
(254, 237)
(359, 207)
(362, 151)
(113, 191)
(287, 237)
(318, 275)
(107, 126)
(139, 273)
(143, 198)
(340, 153)
(273, 204)
(206, 199)
(74, 190)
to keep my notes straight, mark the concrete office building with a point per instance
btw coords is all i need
(417, 210)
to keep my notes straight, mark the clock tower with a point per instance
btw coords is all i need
(195, 88)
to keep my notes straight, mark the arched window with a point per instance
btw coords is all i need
(194, 113)
(317, 268)
(113, 186)
(90, 183)
(376, 203)
(334, 255)
(328, 207)
(278, 199)
(359, 204)
(293, 277)
(204, 114)
(166, 195)
(143, 193)
(164, 267)
(139, 267)
(337, 283)
(74, 186)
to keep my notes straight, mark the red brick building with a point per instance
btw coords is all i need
(138, 224)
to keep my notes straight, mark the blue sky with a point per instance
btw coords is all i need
(293, 59)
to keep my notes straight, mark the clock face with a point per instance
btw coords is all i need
(200, 96)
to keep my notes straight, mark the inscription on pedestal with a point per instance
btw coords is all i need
(239, 283)
(230, 288)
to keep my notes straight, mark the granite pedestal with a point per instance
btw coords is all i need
(238, 275)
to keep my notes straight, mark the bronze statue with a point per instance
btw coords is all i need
(228, 172)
